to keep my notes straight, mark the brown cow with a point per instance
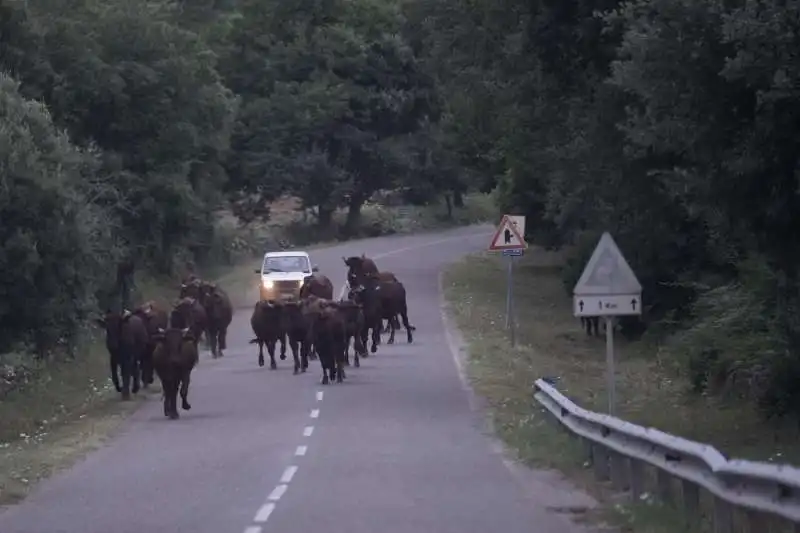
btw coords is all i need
(190, 288)
(189, 313)
(296, 327)
(155, 318)
(354, 324)
(267, 324)
(358, 268)
(391, 301)
(316, 285)
(329, 337)
(126, 341)
(219, 314)
(174, 358)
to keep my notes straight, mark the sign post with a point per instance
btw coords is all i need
(509, 240)
(607, 288)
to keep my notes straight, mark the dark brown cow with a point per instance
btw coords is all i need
(329, 338)
(391, 301)
(191, 287)
(371, 311)
(219, 314)
(174, 358)
(155, 318)
(358, 268)
(296, 327)
(126, 341)
(267, 324)
(354, 324)
(189, 313)
(316, 285)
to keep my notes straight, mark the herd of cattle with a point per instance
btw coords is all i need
(151, 341)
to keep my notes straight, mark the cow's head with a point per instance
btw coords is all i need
(112, 322)
(173, 338)
(191, 289)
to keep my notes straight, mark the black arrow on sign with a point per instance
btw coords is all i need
(580, 304)
(633, 304)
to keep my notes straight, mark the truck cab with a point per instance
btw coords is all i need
(282, 274)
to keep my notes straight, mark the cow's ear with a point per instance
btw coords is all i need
(159, 334)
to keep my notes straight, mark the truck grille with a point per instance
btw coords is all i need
(286, 287)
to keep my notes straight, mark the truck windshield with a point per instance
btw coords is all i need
(289, 263)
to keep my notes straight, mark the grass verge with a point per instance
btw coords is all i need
(59, 411)
(551, 343)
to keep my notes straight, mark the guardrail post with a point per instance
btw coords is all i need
(690, 494)
(619, 477)
(664, 486)
(600, 463)
(723, 516)
(636, 472)
(588, 448)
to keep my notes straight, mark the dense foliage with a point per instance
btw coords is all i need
(128, 126)
(673, 124)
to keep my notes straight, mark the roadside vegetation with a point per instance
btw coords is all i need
(651, 390)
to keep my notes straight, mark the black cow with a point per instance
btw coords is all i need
(126, 341)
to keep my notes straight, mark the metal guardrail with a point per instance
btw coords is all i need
(745, 495)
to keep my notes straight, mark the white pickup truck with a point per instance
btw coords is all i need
(282, 274)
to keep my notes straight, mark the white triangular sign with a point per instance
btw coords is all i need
(507, 237)
(607, 273)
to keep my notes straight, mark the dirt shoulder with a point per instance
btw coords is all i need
(552, 344)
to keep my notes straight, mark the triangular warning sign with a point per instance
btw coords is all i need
(607, 273)
(507, 237)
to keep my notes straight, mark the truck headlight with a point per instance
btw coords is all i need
(268, 283)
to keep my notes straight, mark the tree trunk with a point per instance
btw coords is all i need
(448, 202)
(353, 215)
(324, 216)
(458, 198)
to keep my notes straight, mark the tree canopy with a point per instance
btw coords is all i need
(672, 124)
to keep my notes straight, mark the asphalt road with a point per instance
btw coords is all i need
(396, 448)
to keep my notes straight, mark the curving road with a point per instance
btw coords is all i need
(395, 449)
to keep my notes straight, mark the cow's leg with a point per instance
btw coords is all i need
(304, 353)
(347, 349)
(223, 340)
(173, 399)
(260, 353)
(211, 336)
(282, 338)
(376, 337)
(114, 364)
(147, 366)
(165, 388)
(409, 327)
(356, 350)
(392, 329)
(136, 366)
(271, 349)
(126, 364)
(293, 345)
(185, 380)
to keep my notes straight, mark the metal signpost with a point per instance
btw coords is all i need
(509, 239)
(608, 287)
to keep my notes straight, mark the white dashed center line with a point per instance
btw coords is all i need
(277, 493)
(263, 513)
(288, 474)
